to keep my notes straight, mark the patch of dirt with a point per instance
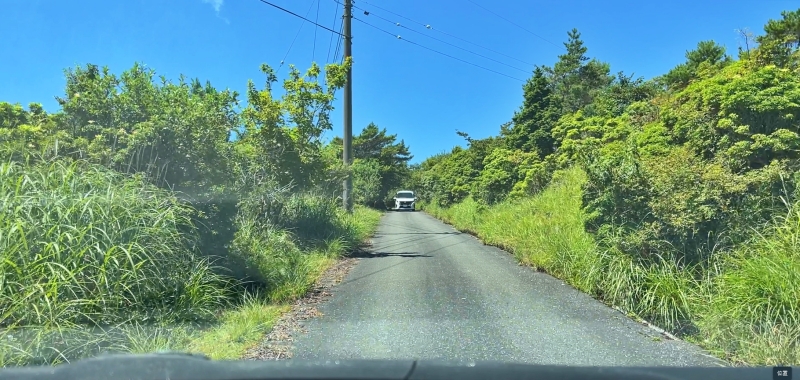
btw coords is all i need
(277, 344)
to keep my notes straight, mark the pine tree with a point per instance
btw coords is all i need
(532, 124)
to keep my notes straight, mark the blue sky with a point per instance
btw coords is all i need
(421, 96)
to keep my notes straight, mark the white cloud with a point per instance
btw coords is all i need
(217, 4)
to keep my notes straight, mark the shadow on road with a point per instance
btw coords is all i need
(403, 242)
(373, 273)
(361, 253)
(418, 233)
(405, 228)
(364, 254)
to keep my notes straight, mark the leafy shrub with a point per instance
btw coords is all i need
(502, 169)
(367, 182)
(275, 227)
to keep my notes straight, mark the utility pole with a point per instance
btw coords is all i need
(347, 198)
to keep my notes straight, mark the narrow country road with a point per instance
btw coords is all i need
(426, 291)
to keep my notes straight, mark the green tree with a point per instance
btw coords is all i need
(613, 100)
(374, 143)
(24, 130)
(708, 54)
(282, 136)
(781, 41)
(743, 116)
(575, 77)
(449, 178)
(532, 124)
(175, 133)
(366, 181)
(503, 168)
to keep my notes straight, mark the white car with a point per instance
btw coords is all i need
(405, 200)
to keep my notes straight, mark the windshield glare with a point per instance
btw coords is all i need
(405, 195)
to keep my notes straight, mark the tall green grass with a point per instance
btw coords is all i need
(291, 276)
(95, 261)
(751, 309)
(83, 250)
(743, 306)
(275, 252)
(547, 232)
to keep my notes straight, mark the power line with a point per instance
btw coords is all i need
(440, 40)
(428, 26)
(339, 43)
(295, 38)
(330, 43)
(338, 46)
(435, 51)
(297, 15)
(314, 47)
(513, 23)
(398, 15)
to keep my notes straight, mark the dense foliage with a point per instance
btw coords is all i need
(687, 176)
(380, 165)
(146, 207)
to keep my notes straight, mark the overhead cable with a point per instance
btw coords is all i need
(430, 27)
(295, 39)
(330, 43)
(512, 22)
(339, 43)
(367, 13)
(297, 15)
(314, 47)
(435, 51)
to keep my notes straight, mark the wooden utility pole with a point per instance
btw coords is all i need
(347, 154)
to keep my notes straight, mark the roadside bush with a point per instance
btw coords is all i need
(676, 203)
(269, 255)
(367, 182)
(502, 169)
(312, 219)
(94, 260)
(275, 227)
(534, 179)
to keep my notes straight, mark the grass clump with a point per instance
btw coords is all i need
(291, 276)
(238, 329)
(752, 310)
(547, 232)
(95, 261)
(283, 252)
(85, 249)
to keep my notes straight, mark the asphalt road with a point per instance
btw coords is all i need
(426, 291)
